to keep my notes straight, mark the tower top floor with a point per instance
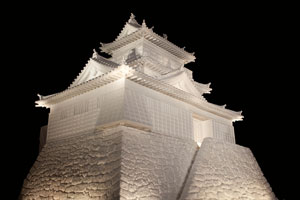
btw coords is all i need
(135, 35)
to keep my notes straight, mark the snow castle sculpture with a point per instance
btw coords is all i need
(136, 126)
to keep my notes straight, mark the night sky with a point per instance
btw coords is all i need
(236, 50)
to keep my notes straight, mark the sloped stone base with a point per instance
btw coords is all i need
(225, 171)
(120, 163)
(127, 163)
(79, 167)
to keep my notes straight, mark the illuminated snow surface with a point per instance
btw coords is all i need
(125, 163)
(225, 171)
(130, 127)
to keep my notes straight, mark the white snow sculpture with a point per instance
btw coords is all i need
(136, 126)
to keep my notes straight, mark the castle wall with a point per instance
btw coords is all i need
(223, 131)
(145, 48)
(77, 167)
(85, 112)
(119, 163)
(170, 116)
(126, 100)
(225, 171)
(124, 51)
(163, 116)
(43, 137)
(153, 166)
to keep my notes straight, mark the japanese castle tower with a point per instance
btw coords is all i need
(137, 127)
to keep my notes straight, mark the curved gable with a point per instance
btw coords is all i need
(180, 80)
(92, 70)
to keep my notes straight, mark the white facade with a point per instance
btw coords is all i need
(136, 126)
(145, 85)
(125, 100)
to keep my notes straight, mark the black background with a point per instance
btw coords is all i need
(240, 49)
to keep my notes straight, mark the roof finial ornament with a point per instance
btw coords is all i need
(165, 36)
(144, 24)
(241, 113)
(95, 54)
(132, 17)
(40, 96)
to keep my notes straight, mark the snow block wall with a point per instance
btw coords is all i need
(127, 163)
(153, 166)
(161, 115)
(120, 163)
(126, 100)
(169, 116)
(225, 171)
(81, 167)
(83, 113)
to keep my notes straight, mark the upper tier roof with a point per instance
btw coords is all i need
(133, 31)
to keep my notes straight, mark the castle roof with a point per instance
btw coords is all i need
(124, 71)
(133, 31)
(177, 83)
(96, 66)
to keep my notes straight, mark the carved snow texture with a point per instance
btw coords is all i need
(122, 163)
(226, 171)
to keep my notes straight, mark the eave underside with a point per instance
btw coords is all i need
(129, 73)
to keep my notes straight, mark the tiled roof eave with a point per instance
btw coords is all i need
(142, 79)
